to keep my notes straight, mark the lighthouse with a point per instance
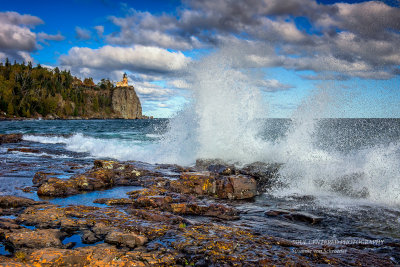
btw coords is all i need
(124, 81)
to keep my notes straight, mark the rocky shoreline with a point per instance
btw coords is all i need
(52, 118)
(179, 216)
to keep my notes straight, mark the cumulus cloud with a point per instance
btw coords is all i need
(17, 38)
(146, 29)
(351, 39)
(15, 18)
(371, 19)
(142, 59)
(15, 32)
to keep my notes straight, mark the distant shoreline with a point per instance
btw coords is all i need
(70, 119)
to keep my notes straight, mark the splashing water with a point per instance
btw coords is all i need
(370, 172)
(224, 121)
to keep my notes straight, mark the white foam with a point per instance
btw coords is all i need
(46, 139)
(99, 148)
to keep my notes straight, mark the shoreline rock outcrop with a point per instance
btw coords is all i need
(181, 217)
(126, 103)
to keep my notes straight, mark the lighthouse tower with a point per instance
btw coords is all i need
(124, 81)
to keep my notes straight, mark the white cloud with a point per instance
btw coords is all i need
(17, 39)
(179, 84)
(15, 18)
(82, 34)
(140, 59)
(99, 30)
(162, 105)
(273, 85)
(43, 37)
(352, 39)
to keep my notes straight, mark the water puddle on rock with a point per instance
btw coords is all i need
(3, 250)
(88, 198)
(76, 239)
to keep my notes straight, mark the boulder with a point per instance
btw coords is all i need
(26, 238)
(105, 174)
(41, 177)
(7, 202)
(88, 237)
(8, 224)
(125, 239)
(265, 174)
(223, 187)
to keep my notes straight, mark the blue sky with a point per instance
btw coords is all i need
(295, 47)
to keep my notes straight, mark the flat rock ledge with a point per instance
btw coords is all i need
(187, 219)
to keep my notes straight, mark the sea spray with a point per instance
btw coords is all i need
(226, 118)
(223, 118)
(370, 170)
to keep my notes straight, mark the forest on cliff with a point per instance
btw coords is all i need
(27, 91)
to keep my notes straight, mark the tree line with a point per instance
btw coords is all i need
(27, 91)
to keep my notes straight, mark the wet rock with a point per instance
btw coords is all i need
(28, 189)
(90, 181)
(295, 216)
(8, 224)
(125, 173)
(101, 229)
(10, 138)
(277, 212)
(40, 177)
(7, 202)
(243, 187)
(180, 204)
(265, 174)
(212, 210)
(55, 187)
(304, 217)
(221, 169)
(105, 174)
(223, 187)
(204, 164)
(123, 239)
(23, 149)
(42, 216)
(349, 185)
(114, 201)
(70, 225)
(160, 202)
(99, 255)
(157, 216)
(174, 168)
(88, 237)
(26, 238)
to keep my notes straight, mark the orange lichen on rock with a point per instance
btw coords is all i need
(211, 184)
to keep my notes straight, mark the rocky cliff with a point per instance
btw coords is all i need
(125, 103)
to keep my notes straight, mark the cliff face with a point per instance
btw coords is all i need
(126, 103)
